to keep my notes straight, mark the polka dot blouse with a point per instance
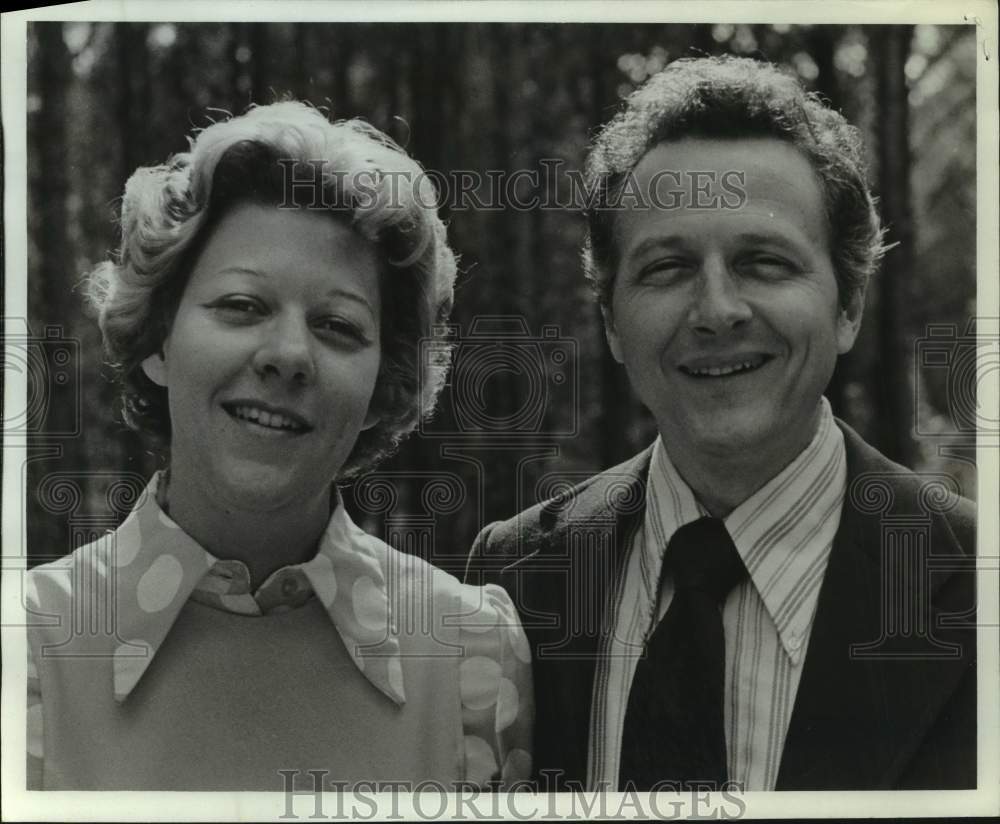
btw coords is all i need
(159, 569)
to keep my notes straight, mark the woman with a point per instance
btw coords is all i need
(265, 315)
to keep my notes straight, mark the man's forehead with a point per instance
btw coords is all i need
(764, 162)
(738, 186)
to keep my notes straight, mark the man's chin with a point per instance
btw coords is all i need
(726, 439)
(735, 445)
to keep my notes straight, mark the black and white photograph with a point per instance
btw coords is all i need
(500, 410)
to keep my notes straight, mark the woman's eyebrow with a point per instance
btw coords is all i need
(338, 292)
(238, 270)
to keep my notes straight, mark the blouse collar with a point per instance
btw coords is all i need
(158, 567)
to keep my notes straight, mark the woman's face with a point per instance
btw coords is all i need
(271, 361)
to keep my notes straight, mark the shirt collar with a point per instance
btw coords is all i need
(783, 532)
(158, 566)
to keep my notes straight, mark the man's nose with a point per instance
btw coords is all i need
(718, 305)
(285, 350)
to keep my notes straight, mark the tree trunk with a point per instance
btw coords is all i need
(132, 104)
(616, 409)
(892, 383)
(822, 45)
(50, 295)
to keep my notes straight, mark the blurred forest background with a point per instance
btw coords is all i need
(106, 98)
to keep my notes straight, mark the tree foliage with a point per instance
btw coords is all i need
(105, 98)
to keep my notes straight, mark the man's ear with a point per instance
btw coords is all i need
(849, 322)
(155, 367)
(611, 333)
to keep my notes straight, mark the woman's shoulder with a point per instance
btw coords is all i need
(97, 566)
(493, 669)
(412, 571)
(54, 582)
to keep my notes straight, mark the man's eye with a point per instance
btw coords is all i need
(768, 264)
(665, 270)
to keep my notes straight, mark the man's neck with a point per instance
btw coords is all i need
(722, 480)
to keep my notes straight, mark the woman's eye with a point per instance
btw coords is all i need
(240, 309)
(341, 330)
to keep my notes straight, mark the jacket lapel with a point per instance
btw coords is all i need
(564, 589)
(871, 689)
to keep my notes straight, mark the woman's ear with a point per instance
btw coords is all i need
(371, 418)
(155, 367)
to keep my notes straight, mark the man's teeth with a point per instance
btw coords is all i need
(716, 371)
(272, 420)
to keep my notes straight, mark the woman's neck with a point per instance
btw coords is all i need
(263, 540)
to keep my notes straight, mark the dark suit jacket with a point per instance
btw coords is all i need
(887, 698)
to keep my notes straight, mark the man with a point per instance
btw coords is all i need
(730, 242)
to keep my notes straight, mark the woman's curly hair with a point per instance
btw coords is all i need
(285, 154)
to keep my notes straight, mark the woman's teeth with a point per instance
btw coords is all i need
(272, 420)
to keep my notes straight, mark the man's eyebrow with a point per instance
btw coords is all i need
(653, 244)
(765, 237)
(791, 242)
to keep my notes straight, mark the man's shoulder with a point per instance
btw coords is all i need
(615, 492)
(879, 485)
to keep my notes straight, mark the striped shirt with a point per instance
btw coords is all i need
(783, 533)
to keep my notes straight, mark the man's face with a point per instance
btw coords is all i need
(727, 319)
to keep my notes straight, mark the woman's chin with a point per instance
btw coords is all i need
(267, 489)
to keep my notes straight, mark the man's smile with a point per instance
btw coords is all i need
(724, 366)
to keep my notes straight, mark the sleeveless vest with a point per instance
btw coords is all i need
(230, 700)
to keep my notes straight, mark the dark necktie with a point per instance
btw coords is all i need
(673, 728)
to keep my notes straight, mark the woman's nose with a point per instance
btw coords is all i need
(285, 351)
(718, 305)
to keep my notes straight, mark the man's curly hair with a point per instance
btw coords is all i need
(730, 98)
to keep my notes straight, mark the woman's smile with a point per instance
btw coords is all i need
(272, 358)
(265, 418)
